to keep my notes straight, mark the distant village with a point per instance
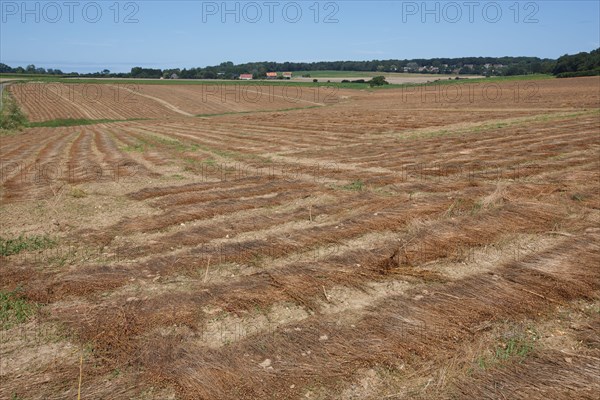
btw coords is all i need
(486, 69)
(413, 68)
(453, 69)
(269, 75)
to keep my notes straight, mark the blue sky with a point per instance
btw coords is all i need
(163, 34)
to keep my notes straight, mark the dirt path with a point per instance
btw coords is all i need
(161, 101)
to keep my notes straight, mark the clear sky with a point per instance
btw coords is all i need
(88, 36)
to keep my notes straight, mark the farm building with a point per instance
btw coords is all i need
(287, 75)
(271, 75)
(246, 77)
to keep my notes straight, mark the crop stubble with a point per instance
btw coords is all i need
(228, 220)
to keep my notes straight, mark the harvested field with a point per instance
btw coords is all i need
(44, 102)
(386, 244)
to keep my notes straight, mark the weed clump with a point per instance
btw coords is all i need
(9, 247)
(14, 308)
(11, 116)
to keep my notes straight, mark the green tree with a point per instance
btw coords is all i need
(378, 81)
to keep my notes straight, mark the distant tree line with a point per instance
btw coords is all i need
(468, 65)
(30, 69)
(567, 65)
(33, 70)
(582, 64)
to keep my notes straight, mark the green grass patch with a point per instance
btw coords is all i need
(151, 141)
(188, 160)
(9, 247)
(368, 74)
(483, 79)
(14, 308)
(356, 186)
(220, 153)
(514, 348)
(56, 123)
(347, 74)
(12, 118)
(175, 144)
(139, 147)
